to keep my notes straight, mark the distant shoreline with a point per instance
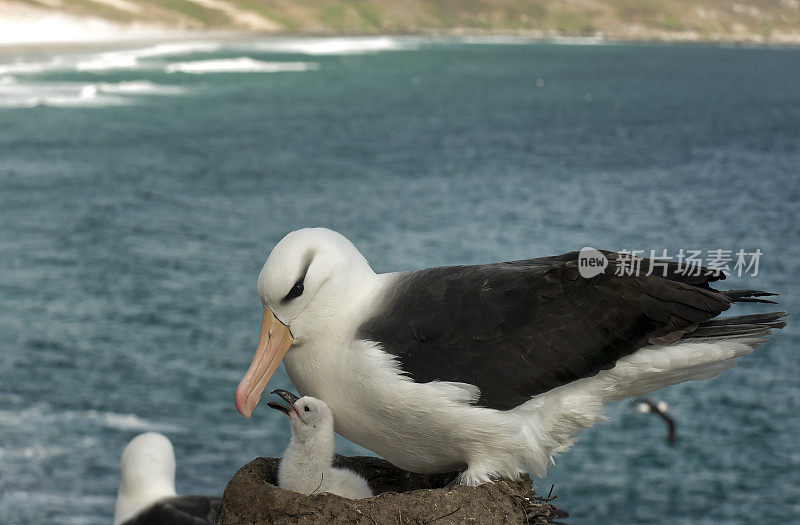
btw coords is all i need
(496, 37)
(108, 22)
(669, 21)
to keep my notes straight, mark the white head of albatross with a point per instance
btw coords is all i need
(147, 474)
(489, 368)
(305, 286)
(147, 487)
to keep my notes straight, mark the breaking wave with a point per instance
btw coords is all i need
(131, 58)
(335, 46)
(140, 87)
(237, 65)
(39, 415)
(14, 94)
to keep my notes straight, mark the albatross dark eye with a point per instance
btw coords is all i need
(296, 291)
(306, 408)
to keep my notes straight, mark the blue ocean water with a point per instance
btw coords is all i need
(140, 196)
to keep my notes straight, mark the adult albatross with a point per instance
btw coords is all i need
(491, 369)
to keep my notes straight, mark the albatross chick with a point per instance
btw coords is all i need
(306, 466)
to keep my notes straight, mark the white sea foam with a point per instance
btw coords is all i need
(335, 45)
(131, 58)
(139, 87)
(145, 58)
(39, 415)
(22, 67)
(129, 422)
(237, 65)
(15, 94)
(178, 48)
(28, 95)
(81, 100)
(109, 60)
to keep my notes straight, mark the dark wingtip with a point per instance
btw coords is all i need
(751, 325)
(749, 296)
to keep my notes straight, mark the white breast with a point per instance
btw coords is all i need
(421, 427)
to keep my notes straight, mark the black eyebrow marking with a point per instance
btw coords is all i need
(308, 258)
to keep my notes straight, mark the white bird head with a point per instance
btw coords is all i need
(311, 419)
(147, 474)
(308, 280)
(147, 458)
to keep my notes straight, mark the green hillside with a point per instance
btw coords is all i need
(766, 20)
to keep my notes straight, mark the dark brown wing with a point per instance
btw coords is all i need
(518, 329)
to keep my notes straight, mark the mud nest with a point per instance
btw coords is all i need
(252, 496)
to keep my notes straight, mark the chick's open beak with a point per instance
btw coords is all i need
(286, 396)
(273, 343)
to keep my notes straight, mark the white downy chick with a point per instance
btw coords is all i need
(307, 465)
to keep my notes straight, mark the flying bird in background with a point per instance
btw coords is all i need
(643, 405)
(491, 369)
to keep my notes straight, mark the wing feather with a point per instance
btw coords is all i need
(517, 329)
